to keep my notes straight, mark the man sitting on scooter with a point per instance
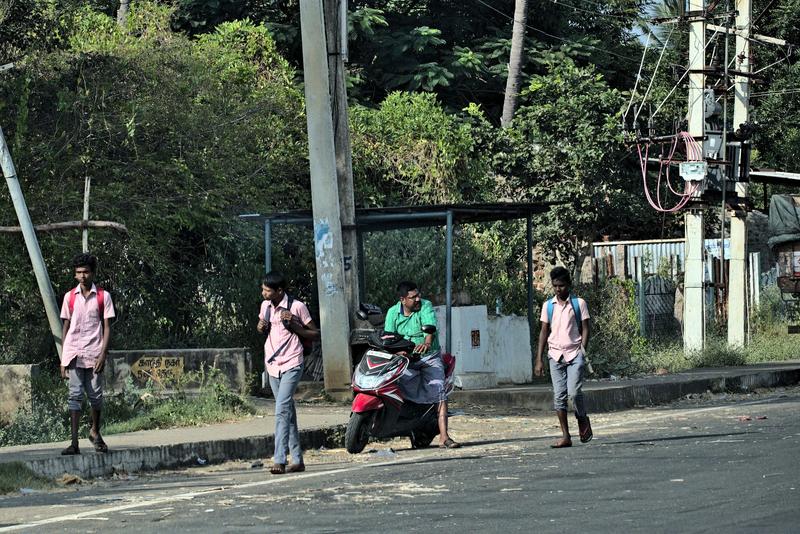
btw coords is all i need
(423, 381)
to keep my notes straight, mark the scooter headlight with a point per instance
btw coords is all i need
(368, 382)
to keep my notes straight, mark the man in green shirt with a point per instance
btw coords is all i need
(423, 381)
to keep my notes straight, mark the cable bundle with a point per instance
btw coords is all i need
(694, 152)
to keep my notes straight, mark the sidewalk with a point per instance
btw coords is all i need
(324, 424)
(608, 396)
(176, 447)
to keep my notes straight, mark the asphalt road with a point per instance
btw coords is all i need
(719, 464)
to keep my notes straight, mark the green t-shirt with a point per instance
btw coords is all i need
(411, 327)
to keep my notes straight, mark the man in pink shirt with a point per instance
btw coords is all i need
(565, 331)
(284, 320)
(86, 312)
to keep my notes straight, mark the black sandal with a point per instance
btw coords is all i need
(71, 451)
(99, 444)
(296, 468)
(449, 443)
(278, 469)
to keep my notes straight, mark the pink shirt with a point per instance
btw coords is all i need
(282, 341)
(84, 339)
(565, 339)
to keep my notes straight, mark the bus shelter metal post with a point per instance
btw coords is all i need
(531, 329)
(449, 290)
(267, 245)
(362, 276)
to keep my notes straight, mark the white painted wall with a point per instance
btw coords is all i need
(504, 343)
(510, 349)
(465, 319)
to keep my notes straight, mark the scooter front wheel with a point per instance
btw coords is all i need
(357, 435)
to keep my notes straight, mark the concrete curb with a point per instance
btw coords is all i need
(608, 397)
(178, 455)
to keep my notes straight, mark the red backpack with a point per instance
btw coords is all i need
(101, 297)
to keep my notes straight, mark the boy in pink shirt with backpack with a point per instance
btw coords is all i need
(564, 335)
(86, 312)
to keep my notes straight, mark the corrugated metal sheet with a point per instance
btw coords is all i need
(656, 253)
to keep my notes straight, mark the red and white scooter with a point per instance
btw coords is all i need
(379, 409)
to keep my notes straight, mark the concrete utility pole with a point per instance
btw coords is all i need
(336, 37)
(694, 317)
(334, 320)
(737, 280)
(31, 242)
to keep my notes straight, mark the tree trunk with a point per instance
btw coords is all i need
(515, 61)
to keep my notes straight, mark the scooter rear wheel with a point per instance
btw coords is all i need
(357, 435)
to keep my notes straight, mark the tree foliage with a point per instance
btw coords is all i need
(179, 137)
(565, 146)
(409, 151)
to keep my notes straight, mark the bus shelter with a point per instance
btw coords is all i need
(404, 217)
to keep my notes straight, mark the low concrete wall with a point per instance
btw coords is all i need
(179, 455)
(509, 349)
(15, 389)
(163, 366)
(488, 350)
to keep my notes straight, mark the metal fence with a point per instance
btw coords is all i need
(657, 268)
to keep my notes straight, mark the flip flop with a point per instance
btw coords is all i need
(449, 443)
(99, 444)
(70, 451)
(277, 469)
(561, 444)
(296, 468)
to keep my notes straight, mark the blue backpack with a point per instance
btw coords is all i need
(575, 307)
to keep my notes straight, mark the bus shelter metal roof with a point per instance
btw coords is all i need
(405, 217)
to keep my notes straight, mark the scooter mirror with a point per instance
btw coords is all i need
(429, 329)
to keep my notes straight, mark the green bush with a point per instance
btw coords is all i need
(410, 151)
(47, 420)
(489, 262)
(134, 408)
(16, 475)
(179, 136)
(616, 346)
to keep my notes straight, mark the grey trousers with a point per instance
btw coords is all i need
(80, 380)
(423, 380)
(567, 378)
(287, 437)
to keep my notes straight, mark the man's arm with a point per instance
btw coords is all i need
(64, 330)
(100, 364)
(390, 322)
(301, 322)
(261, 326)
(585, 334)
(544, 332)
(427, 318)
(305, 331)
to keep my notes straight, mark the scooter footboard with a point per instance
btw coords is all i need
(365, 403)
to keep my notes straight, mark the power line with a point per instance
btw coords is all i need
(638, 77)
(563, 39)
(653, 77)
(595, 13)
(780, 92)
